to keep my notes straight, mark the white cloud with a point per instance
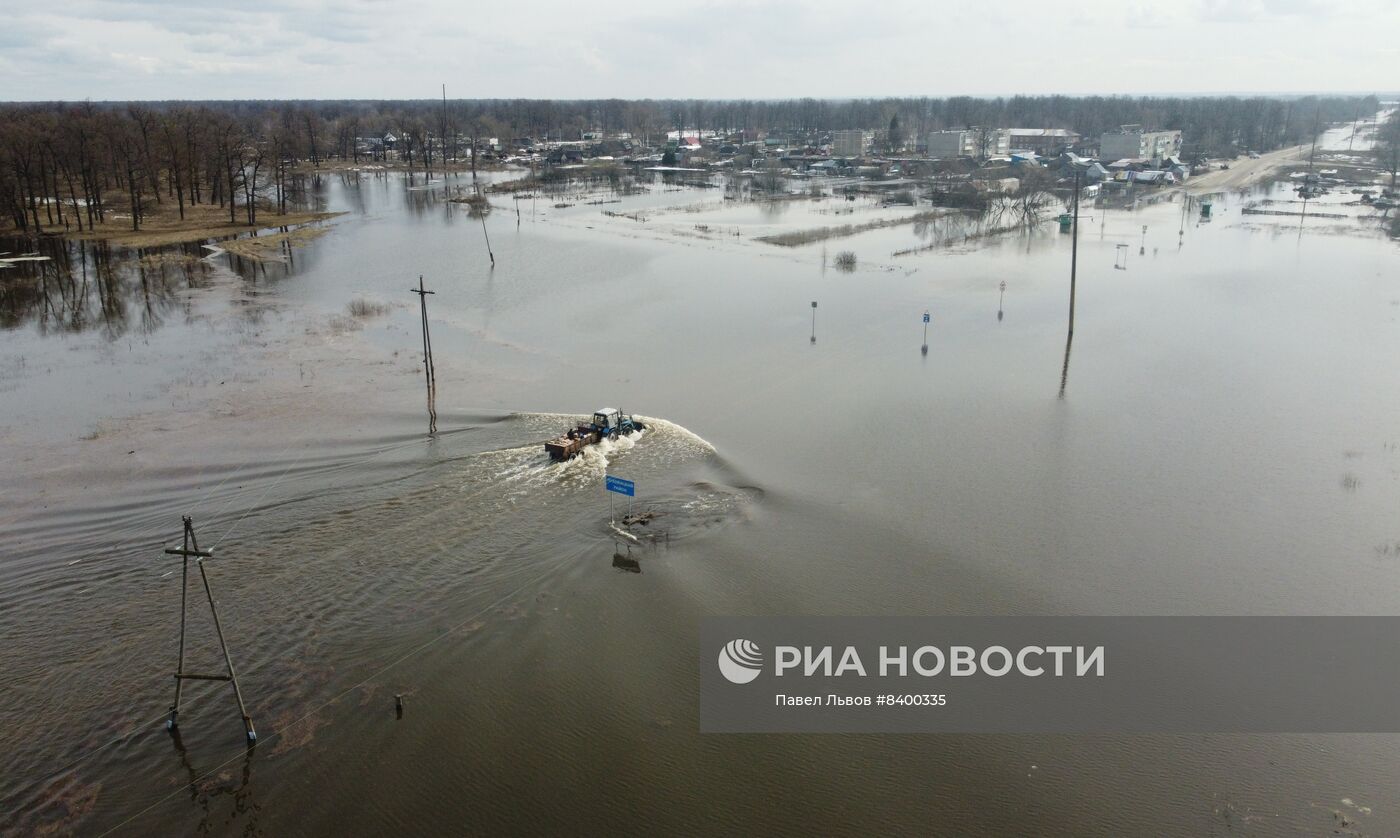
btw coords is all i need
(156, 49)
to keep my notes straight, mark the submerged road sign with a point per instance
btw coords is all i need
(620, 486)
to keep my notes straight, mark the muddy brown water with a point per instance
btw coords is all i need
(1227, 442)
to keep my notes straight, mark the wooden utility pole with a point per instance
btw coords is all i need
(1074, 251)
(487, 236)
(1073, 271)
(429, 374)
(191, 550)
(444, 131)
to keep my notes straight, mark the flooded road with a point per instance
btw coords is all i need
(1225, 440)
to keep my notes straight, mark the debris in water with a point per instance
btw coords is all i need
(8, 261)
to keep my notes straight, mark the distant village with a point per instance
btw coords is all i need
(973, 159)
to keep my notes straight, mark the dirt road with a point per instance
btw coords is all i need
(1245, 171)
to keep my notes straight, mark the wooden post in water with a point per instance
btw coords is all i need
(1073, 275)
(429, 373)
(814, 321)
(190, 550)
(444, 137)
(484, 234)
(1074, 252)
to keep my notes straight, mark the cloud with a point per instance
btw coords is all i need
(377, 49)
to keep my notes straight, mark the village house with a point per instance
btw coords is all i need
(847, 144)
(1046, 142)
(943, 145)
(1131, 142)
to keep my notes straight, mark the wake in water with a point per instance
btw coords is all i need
(672, 466)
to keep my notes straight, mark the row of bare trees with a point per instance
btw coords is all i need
(66, 167)
(71, 166)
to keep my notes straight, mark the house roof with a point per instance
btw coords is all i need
(1041, 132)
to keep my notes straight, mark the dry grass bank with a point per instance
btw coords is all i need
(801, 237)
(272, 246)
(162, 224)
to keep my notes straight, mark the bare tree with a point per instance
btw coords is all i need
(1388, 146)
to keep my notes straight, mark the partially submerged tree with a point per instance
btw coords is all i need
(1388, 146)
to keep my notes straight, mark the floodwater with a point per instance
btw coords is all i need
(1224, 438)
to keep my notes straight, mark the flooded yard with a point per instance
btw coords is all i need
(1222, 437)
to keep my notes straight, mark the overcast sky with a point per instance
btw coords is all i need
(371, 49)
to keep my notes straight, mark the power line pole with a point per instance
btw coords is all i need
(190, 550)
(1074, 251)
(486, 235)
(1073, 271)
(429, 373)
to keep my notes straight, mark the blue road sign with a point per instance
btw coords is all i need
(926, 317)
(622, 487)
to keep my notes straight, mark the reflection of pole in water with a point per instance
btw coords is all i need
(814, 321)
(1064, 371)
(203, 793)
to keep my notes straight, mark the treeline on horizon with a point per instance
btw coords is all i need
(238, 154)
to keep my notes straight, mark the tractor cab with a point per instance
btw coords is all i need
(607, 420)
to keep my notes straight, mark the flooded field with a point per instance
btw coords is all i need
(1222, 437)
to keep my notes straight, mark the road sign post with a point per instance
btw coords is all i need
(619, 486)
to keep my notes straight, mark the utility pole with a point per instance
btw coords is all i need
(190, 550)
(1073, 271)
(444, 131)
(429, 374)
(485, 234)
(1074, 252)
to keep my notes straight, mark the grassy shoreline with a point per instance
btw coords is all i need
(163, 226)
